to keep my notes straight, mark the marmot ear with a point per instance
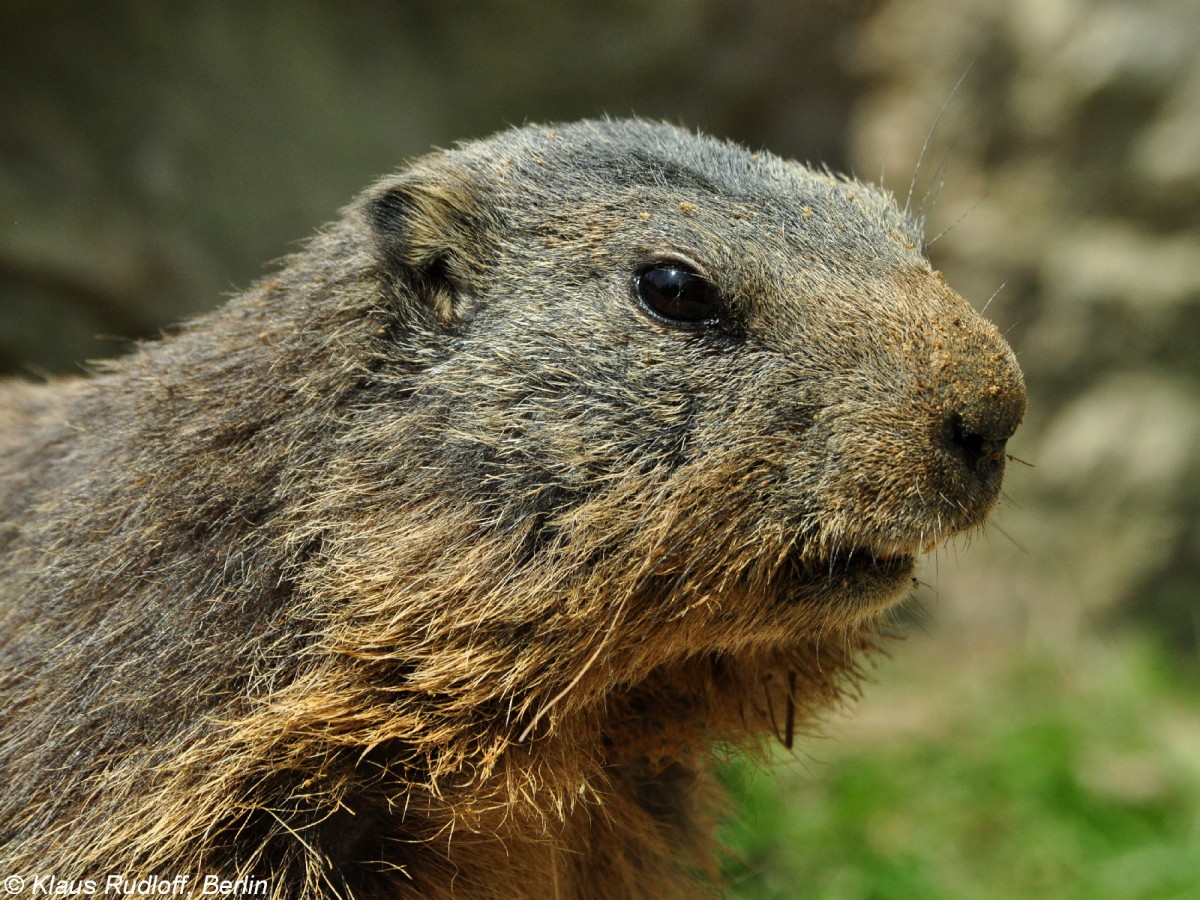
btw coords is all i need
(433, 234)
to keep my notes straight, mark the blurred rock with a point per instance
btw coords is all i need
(1071, 152)
(154, 157)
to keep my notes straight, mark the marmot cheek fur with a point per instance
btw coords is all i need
(439, 563)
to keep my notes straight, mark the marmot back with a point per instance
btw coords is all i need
(438, 563)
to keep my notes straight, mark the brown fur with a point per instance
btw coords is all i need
(435, 565)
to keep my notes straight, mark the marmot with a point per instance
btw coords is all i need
(440, 562)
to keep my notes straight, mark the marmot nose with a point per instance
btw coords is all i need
(981, 395)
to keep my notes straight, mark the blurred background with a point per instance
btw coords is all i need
(1038, 732)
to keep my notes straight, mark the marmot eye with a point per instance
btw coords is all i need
(678, 296)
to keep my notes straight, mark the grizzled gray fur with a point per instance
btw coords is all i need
(439, 563)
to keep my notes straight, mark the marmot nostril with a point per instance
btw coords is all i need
(984, 454)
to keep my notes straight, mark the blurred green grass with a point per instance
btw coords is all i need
(990, 775)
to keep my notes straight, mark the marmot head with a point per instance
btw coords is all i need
(654, 386)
